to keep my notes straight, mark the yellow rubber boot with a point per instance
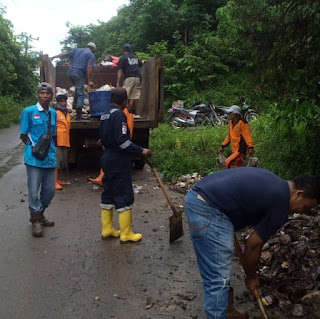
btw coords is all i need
(107, 228)
(125, 222)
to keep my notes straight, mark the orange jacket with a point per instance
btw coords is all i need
(129, 120)
(239, 135)
(63, 129)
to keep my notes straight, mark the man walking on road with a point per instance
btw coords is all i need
(34, 123)
(229, 200)
(82, 63)
(116, 164)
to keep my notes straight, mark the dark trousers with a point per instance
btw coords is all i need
(117, 189)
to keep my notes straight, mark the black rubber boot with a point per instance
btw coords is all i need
(232, 312)
(37, 227)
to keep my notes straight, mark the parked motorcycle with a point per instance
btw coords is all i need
(201, 114)
(248, 114)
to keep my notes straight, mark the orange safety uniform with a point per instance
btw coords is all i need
(130, 120)
(239, 135)
(63, 129)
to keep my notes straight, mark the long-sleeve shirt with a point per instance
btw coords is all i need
(239, 135)
(115, 137)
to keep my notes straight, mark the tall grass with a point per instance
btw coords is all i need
(285, 143)
(181, 151)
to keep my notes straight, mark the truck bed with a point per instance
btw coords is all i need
(94, 123)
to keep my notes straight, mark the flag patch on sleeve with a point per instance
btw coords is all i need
(124, 128)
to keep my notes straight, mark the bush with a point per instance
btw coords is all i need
(9, 111)
(286, 142)
(181, 151)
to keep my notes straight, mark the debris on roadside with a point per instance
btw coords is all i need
(289, 269)
(185, 182)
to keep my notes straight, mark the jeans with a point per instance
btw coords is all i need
(80, 93)
(44, 177)
(212, 235)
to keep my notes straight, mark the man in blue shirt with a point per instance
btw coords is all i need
(34, 123)
(229, 200)
(82, 63)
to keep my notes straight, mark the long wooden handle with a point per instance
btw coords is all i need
(244, 265)
(156, 175)
(263, 311)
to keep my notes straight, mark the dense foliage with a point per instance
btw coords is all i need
(17, 73)
(265, 50)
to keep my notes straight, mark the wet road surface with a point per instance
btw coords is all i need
(72, 273)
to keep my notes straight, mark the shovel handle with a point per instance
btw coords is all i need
(244, 265)
(259, 301)
(148, 160)
(156, 175)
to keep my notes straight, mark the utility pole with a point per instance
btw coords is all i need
(27, 37)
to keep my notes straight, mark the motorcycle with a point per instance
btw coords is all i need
(248, 114)
(201, 114)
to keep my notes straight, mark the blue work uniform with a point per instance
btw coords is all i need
(116, 160)
(34, 123)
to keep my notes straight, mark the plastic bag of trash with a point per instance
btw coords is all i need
(221, 161)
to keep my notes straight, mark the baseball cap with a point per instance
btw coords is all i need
(45, 86)
(120, 92)
(234, 109)
(127, 46)
(92, 45)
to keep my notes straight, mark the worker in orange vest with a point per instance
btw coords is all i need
(98, 180)
(63, 138)
(239, 136)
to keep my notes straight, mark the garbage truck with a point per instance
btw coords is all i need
(149, 110)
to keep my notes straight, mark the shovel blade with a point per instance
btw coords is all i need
(176, 229)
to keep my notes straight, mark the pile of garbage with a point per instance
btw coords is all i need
(289, 268)
(70, 94)
(185, 182)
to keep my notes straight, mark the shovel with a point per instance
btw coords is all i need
(176, 229)
(256, 291)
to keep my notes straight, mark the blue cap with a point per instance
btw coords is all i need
(126, 47)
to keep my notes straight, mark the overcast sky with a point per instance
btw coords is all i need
(47, 19)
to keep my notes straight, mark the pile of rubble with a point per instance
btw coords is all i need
(289, 268)
(70, 93)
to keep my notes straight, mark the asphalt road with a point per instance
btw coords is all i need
(72, 273)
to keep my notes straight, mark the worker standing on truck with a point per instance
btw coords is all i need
(82, 63)
(239, 135)
(116, 164)
(129, 68)
(229, 200)
(63, 138)
(98, 179)
(35, 122)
